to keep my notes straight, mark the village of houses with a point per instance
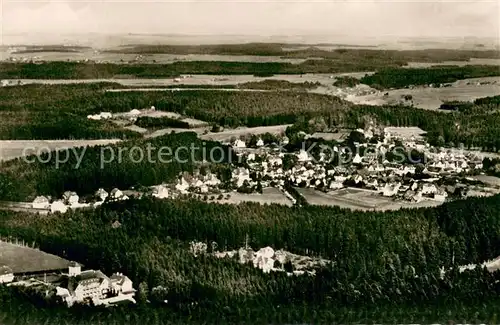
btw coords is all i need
(363, 181)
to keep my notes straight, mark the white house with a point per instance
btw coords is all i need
(391, 190)
(71, 198)
(211, 180)
(263, 259)
(239, 144)
(275, 161)
(41, 202)
(117, 195)
(303, 156)
(6, 274)
(101, 194)
(160, 192)
(260, 143)
(134, 112)
(240, 175)
(182, 185)
(357, 159)
(440, 196)
(58, 206)
(334, 185)
(429, 189)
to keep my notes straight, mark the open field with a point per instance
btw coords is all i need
(103, 57)
(432, 98)
(183, 89)
(11, 149)
(472, 61)
(193, 123)
(490, 180)
(224, 136)
(200, 79)
(26, 260)
(270, 195)
(358, 199)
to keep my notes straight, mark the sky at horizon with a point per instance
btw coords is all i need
(360, 18)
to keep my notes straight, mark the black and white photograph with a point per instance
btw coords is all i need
(289, 162)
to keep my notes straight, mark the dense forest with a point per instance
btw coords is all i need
(312, 51)
(28, 113)
(391, 73)
(54, 112)
(74, 70)
(160, 122)
(346, 82)
(386, 265)
(403, 77)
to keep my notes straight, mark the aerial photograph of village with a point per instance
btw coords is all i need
(261, 162)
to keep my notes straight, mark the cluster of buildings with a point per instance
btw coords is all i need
(267, 259)
(88, 287)
(71, 200)
(440, 173)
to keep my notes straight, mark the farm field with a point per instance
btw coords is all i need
(199, 79)
(472, 61)
(145, 58)
(12, 149)
(226, 136)
(490, 180)
(270, 195)
(26, 260)
(182, 89)
(432, 98)
(358, 199)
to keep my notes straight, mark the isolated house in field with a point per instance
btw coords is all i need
(6, 274)
(58, 206)
(41, 202)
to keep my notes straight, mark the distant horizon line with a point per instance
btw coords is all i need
(385, 37)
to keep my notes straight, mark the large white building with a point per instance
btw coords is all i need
(94, 287)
